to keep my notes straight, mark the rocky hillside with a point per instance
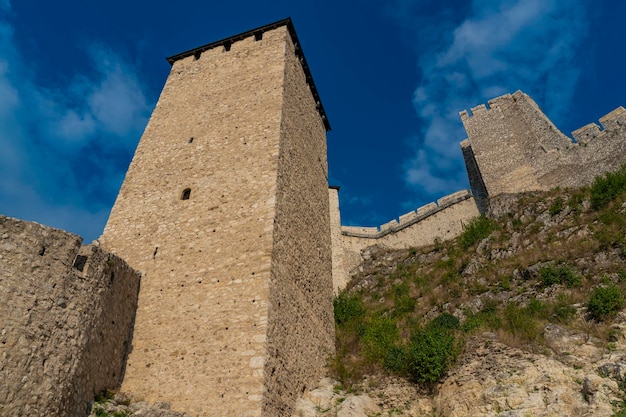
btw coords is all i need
(520, 316)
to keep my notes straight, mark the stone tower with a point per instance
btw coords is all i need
(225, 210)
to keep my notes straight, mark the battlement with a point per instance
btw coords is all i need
(513, 147)
(407, 219)
(502, 101)
(227, 44)
(615, 120)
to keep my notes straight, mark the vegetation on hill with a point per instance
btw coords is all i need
(552, 257)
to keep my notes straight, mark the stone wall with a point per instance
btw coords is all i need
(443, 220)
(66, 316)
(340, 272)
(517, 148)
(301, 331)
(235, 306)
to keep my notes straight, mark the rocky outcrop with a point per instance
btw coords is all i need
(576, 376)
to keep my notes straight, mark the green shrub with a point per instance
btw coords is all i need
(347, 308)
(606, 188)
(476, 230)
(445, 321)
(605, 302)
(430, 353)
(396, 359)
(559, 274)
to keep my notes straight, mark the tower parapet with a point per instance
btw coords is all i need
(513, 147)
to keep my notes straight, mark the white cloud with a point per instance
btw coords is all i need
(48, 171)
(499, 46)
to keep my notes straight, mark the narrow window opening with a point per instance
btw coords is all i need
(154, 254)
(42, 251)
(227, 46)
(186, 194)
(258, 36)
(196, 55)
(190, 140)
(111, 277)
(79, 262)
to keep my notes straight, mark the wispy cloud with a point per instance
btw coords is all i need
(491, 48)
(60, 145)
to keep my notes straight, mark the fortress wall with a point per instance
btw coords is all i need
(442, 220)
(200, 339)
(509, 140)
(516, 148)
(64, 327)
(600, 151)
(300, 323)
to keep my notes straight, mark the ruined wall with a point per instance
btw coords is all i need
(239, 272)
(441, 220)
(66, 315)
(517, 148)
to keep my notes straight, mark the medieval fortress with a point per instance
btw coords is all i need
(211, 287)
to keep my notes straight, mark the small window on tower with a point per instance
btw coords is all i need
(186, 194)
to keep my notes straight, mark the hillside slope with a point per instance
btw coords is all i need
(520, 316)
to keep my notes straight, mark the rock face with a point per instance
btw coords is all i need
(497, 380)
(66, 315)
(493, 379)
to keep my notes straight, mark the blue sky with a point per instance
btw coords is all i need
(79, 79)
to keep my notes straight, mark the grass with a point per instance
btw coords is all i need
(389, 326)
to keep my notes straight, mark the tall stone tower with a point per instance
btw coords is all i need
(225, 210)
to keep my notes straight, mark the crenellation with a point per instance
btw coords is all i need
(408, 217)
(427, 209)
(390, 225)
(586, 133)
(453, 198)
(615, 119)
(478, 110)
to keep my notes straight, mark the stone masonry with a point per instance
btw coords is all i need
(66, 314)
(513, 147)
(225, 211)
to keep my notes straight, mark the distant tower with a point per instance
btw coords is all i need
(225, 210)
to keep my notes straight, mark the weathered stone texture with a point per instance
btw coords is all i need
(64, 326)
(517, 148)
(301, 330)
(240, 272)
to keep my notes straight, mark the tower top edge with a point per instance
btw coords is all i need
(260, 30)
